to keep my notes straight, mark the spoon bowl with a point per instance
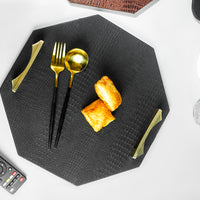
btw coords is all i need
(76, 61)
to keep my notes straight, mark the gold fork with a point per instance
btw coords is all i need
(57, 65)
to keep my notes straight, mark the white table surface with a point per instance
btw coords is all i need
(171, 169)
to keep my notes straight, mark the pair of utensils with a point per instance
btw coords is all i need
(75, 61)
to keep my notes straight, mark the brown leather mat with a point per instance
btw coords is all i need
(130, 6)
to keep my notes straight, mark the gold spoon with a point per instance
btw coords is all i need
(76, 61)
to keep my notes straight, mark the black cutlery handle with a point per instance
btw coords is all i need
(62, 117)
(52, 117)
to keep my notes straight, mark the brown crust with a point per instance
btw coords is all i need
(108, 93)
(97, 115)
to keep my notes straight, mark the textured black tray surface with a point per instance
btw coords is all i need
(196, 8)
(83, 155)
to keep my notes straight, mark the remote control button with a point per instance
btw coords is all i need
(12, 190)
(14, 180)
(11, 177)
(10, 168)
(2, 164)
(14, 173)
(17, 176)
(11, 183)
(8, 180)
(21, 179)
(2, 168)
(4, 184)
(8, 186)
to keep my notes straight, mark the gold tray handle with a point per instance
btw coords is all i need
(18, 80)
(140, 148)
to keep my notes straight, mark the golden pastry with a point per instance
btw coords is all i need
(108, 93)
(98, 115)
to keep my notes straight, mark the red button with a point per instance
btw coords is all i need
(14, 173)
(21, 179)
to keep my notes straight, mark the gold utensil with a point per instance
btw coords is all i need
(76, 61)
(18, 80)
(140, 148)
(57, 65)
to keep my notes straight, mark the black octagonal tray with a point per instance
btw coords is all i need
(83, 155)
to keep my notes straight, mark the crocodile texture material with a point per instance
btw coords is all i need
(82, 155)
(131, 6)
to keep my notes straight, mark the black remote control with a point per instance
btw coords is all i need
(11, 179)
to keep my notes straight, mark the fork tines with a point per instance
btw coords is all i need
(59, 52)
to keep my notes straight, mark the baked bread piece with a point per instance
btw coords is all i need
(108, 93)
(97, 115)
